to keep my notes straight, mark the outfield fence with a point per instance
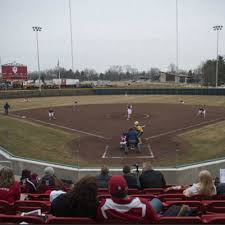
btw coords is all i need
(109, 91)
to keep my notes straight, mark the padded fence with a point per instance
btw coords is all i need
(45, 93)
(110, 91)
(161, 91)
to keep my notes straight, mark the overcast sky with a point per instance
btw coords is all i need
(140, 33)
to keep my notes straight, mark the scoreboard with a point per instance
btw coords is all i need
(14, 71)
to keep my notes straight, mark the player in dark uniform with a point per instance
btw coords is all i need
(6, 108)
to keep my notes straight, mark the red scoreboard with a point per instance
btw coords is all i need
(14, 71)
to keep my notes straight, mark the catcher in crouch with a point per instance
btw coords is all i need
(139, 130)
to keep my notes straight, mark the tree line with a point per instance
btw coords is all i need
(204, 73)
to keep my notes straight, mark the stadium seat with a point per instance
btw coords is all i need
(133, 191)
(18, 219)
(126, 221)
(153, 191)
(102, 191)
(219, 197)
(6, 208)
(170, 185)
(147, 196)
(29, 205)
(38, 197)
(171, 197)
(214, 218)
(180, 220)
(101, 197)
(195, 205)
(199, 197)
(214, 206)
(174, 191)
(70, 220)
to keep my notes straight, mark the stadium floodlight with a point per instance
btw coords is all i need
(71, 36)
(177, 40)
(217, 28)
(38, 29)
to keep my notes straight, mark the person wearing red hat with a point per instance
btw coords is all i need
(121, 207)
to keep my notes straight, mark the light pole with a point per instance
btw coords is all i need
(217, 28)
(38, 29)
(71, 35)
(177, 46)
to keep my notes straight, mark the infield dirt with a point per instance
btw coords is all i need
(100, 127)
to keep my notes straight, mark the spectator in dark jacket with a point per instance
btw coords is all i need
(130, 178)
(28, 185)
(49, 181)
(151, 178)
(81, 201)
(220, 188)
(103, 178)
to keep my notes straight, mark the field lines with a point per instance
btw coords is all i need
(185, 128)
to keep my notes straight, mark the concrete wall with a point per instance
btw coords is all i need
(180, 175)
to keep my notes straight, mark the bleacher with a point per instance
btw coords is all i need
(208, 211)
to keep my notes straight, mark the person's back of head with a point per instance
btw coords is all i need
(126, 170)
(118, 187)
(49, 171)
(83, 197)
(104, 171)
(25, 174)
(206, 183)
(146, 166)
(6, 177)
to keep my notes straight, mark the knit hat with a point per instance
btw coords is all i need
(55, 194)
(117, 185)
(49, 171)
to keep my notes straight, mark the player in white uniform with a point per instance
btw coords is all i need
(202, 111)
(51, 114)
(129, 111)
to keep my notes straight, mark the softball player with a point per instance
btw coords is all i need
(129, 111)
(202, 111)
(51, 114)
(139, 130)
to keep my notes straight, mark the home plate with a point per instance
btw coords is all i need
(146, 153)
(23, 117)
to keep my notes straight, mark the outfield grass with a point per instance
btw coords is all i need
(19, 104)
(35, 141)
(206, 143)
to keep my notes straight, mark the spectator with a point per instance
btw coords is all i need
(121, 207)
(28, 185)
(131, 179)
(9, 188)
(220, 187)
(49, 181)
(103, 178)
(151, 178)
(54, 194)
(205, 186)
(81, 201)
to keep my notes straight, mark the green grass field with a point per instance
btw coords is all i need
(35, 141)
(30, 140)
